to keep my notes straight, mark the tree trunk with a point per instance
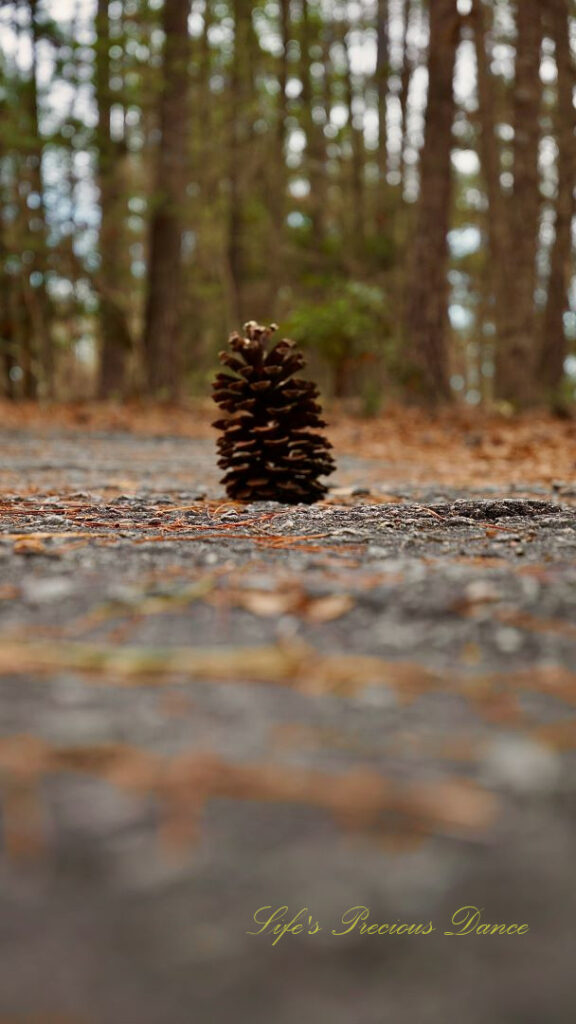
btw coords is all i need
(114, 330)
(516, 353)
(357, 146)
(315, 140)
(427, 286)
(381, 82)
(8, 342)
(37, 270)
(405, 78)
(8, 320)
(554, 346)
(239, 135)
(163, 328)
(495, 277)
(278, 184)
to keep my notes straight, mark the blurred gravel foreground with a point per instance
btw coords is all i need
(215, 716)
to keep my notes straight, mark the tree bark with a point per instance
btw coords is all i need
(8, 340)
(381, 82)
(554, 345)
(279, 182)
(496, 216)
(36, 285)
(9, 347)
(237, 175)
(426, 315)
(315, 139)
(405, 78)
(163, 327)
(115, 336)
(517, 345)
(357, 146)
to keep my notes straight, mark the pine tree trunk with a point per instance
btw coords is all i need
(357, 145)
(554, 345)
(427, 287)
(516, 353)
(8, 345)
(239, 136)
(278, 184)
(163, 328)
(39, 299)
(405, 78)
(27, 356)
(315, 139)
(114, 330)
(497, 227)
(381, 82)
(16, 342)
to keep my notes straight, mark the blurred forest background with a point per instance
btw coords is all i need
(390, 180)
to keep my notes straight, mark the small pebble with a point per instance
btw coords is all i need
(508, 640)
(521, 764)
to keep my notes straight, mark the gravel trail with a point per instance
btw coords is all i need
(207, 709)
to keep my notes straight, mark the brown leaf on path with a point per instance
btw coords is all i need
(286, 599)
(458, 804)
(127, 767)
(21, 755)
(325, 609)
(500, 708)
(558, 735)
(31, 546)
(524, 620)
(266, 603)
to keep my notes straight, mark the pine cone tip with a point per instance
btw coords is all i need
(258, 332)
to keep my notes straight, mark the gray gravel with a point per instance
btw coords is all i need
(467, 605)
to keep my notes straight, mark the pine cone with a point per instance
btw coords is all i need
(268, 446)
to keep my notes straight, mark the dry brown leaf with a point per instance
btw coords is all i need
(325, 609)
(455, 803)
(30, 546)
(500, 708)
(559, 735)
(532, 623)
(268, 603)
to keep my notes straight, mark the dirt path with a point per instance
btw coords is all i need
(207, 709)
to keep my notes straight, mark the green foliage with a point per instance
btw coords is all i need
(348, 329)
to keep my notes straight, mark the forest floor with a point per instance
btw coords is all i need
(208, 708)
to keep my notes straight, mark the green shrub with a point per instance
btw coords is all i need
(348, 329)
